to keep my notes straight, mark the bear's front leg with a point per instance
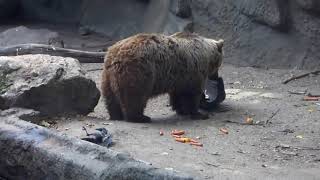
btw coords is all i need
(111, 101)
(194, 103)
(180, 103)
(134, 115)
(187, 103)
(176, 102)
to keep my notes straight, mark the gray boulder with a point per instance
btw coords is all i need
(313, 5)
(23, 35)
(269, 12)
(29, 151)
(49, 84)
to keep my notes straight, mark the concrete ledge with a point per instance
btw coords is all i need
(29, 151)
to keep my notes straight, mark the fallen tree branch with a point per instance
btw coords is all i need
(95, 69)
(82, 56)
(300, 76)
(272, 116)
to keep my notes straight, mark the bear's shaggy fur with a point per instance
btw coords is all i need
(146, 65)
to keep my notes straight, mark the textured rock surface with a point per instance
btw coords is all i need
(29, 151)
(8, 8)
(127, 17)
(23, 35)
(49, 84)
(268, 12)
(260, 44)
(181, 8)
(313, 5)
(60, 11)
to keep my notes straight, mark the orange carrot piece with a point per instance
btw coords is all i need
(224, 130)
(310, 98)
(161, 133)
(178, 132)
(176, 136)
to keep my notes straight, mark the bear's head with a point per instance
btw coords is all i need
(212, 51)
(215, 60)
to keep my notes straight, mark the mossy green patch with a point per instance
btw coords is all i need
(4, 83)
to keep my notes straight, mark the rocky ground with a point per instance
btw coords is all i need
(282, 142)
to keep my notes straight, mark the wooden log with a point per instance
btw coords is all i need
(82, 56)
(300, 76)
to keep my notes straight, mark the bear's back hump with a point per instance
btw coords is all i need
(143, 47)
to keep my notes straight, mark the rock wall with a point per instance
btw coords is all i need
(261, 33)
(117, 19)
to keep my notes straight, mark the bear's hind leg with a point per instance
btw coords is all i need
(114, 109)
(111, 101)
(133, 109)
(135, 83)
(113, 106)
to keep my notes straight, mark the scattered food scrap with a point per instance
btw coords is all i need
(161, 133)
(311, 109)
(311, 98)
(249, 120)
(184, 140)
(190, 141)
(177, 135)
(178, 132)
(224, 130)
(45, 124)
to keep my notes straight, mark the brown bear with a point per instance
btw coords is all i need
(147, 65)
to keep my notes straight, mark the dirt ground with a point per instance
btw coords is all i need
(287, 147)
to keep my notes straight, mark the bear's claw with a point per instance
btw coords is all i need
(143, 119)
(199, 115)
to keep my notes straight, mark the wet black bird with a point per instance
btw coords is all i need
(101, 137)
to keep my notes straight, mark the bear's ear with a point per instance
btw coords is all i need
(220, 45)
